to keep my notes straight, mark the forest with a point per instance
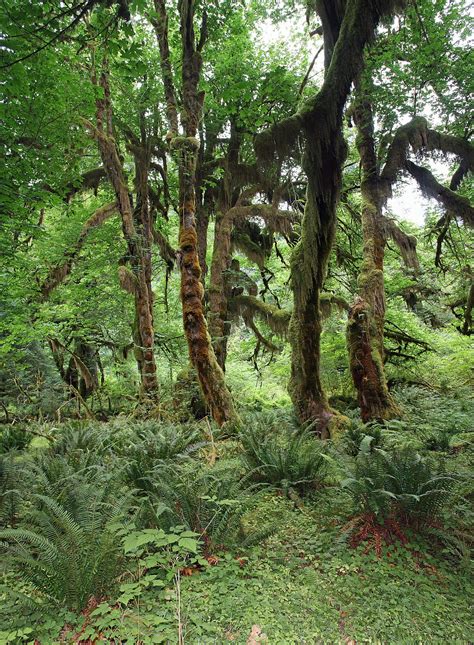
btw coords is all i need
(236, 321)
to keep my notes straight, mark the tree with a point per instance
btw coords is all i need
(185, 148)
(347, 28)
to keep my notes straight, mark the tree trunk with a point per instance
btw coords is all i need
(202, 225)
(323, 162)
(138, 239)
(221, 258)
(365, 333)
(210, 374)
(186, 148)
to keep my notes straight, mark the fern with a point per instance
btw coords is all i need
(14, 438)
(285, 460)
(63, 557)
(157, 445)
(79, 439)
(208, 501)
(355, 434)
(9, 488)
(400, 484)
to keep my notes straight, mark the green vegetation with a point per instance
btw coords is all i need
(338, 550)
(236, 322)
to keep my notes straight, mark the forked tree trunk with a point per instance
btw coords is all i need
(324, 156)
(347, 27)
(308, 271)
(365, 329)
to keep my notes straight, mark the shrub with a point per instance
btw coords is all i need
(289, 461)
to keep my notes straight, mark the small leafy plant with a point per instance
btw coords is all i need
(156, 560)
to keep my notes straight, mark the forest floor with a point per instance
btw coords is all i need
(302, 582)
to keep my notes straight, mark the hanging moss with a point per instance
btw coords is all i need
(279, 140)
(329, 301)
(406, 243)
(418, 136)
(188, 145)
(253, 241)
(243, 242)
(454, 203)
(128, 280)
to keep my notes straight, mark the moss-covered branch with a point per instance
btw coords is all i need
(59, 273)
(416, 136)
(277, 319)
(167, 252)
(453, 202)
(160, 24)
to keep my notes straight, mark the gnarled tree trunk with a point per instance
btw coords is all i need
(210, 374)
(365, 330)
(138, 280)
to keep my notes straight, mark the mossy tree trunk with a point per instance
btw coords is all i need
(323, 165)
(138, 238)
(140, 147)
(365, 330)
(185, 148)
